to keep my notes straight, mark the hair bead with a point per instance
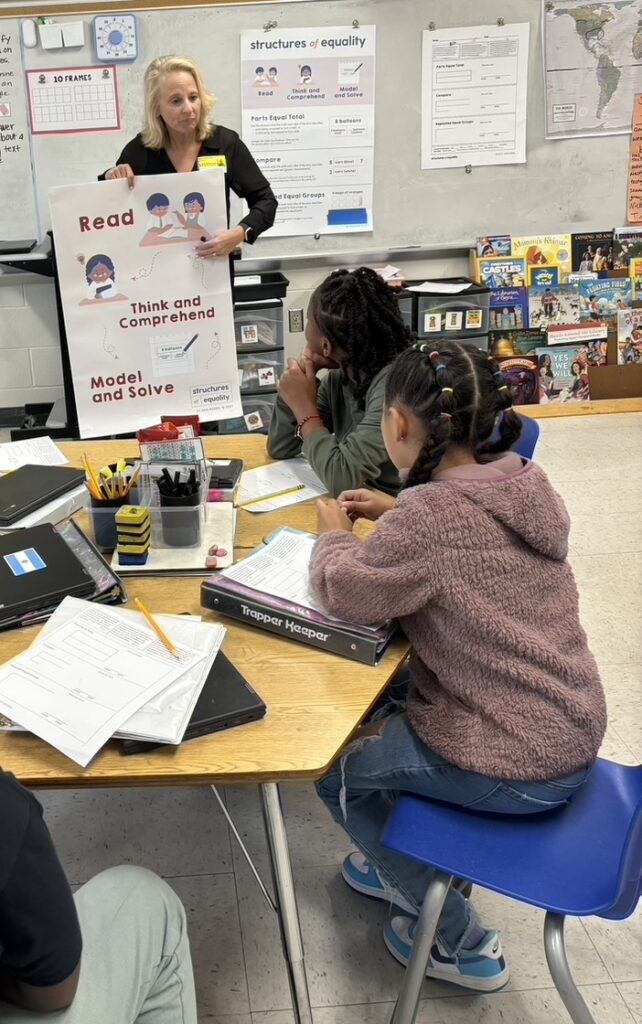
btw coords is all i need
(445, 416)
(447, 391)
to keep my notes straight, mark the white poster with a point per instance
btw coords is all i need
(308, 119)
(149, 323)
(592, 66)
(474, 96)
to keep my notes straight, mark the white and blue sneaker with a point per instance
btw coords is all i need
(363, 877)
(482, 968)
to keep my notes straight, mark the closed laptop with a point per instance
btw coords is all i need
(28, 488)
(37, 570)
(226, 700)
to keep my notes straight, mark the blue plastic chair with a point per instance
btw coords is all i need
(582, 860)
(527, 440)
(526, 443)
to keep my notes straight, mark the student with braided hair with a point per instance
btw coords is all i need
(471, 559)
(354, 330)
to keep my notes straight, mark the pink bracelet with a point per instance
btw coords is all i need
(302, 423)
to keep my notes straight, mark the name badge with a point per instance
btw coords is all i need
(205, 163)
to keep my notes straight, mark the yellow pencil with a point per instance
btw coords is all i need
(92, 476)
(159, 632)
(268, 497)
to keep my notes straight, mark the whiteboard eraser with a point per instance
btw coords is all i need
(29, 34)
(50, 36)
(73, 33)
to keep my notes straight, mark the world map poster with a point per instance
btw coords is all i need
(592, 66)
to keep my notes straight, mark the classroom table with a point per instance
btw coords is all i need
(315, 702)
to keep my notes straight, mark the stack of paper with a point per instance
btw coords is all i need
(278, 485)
(94, 672)
(33, 451)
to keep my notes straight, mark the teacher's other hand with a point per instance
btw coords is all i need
(222, 245)
(121, 171)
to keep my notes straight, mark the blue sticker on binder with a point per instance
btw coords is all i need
(22, 562)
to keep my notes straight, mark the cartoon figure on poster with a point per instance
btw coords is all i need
(100, 273)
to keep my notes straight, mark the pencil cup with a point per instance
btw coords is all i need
(103, 521)
(181, 519)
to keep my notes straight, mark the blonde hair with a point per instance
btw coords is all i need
(155, 131)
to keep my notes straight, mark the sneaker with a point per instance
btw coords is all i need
(482, 968)
(363, 877)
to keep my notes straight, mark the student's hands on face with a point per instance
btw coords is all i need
(298, 388)
(121, 171)
(330, 516)
(363, 504)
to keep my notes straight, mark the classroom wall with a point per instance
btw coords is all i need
(30, 369)
(577, 184)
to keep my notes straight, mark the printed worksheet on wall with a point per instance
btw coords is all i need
(474, 87)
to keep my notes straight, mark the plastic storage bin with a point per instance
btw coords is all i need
(257, 412)
(258, 325)
(260, 371)
(464, 315)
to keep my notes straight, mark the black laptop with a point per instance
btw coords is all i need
(28, 488)
(38, 570)
(226, 700)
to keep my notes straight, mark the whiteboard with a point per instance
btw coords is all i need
(570, 184)
(18, 217)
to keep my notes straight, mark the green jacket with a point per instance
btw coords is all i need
(350, 452)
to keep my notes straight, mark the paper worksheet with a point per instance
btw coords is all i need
(280, 568)
(266, 482)
(77, 684)
(34, 451)
(164, 718)
(474, 84)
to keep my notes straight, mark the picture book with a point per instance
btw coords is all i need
(493, 245)
(563, 374)
(516, 343)
(502, 272)
(576, 276)
(539, 250)
(629, 336)
(635, 273)
(522, 377)
(508, 309)
(577, 334)
(553, 306)
(600, 300)
(627, 245)
(592, 251)
(544, 276)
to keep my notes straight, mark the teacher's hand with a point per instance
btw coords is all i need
(224, 243)
(121, 171)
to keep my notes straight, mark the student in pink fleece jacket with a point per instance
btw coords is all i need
(502, 709)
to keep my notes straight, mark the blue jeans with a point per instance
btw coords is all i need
(364, 783)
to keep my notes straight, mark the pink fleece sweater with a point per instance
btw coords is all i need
(474, 567)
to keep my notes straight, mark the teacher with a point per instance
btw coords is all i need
(178, 137)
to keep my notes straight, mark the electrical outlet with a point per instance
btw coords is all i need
(295, 320)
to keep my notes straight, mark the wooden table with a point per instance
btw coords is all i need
(315, 702)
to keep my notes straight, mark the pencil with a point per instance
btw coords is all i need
(277, 494)
(190, 342)
(159, 632)
(92, 476)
